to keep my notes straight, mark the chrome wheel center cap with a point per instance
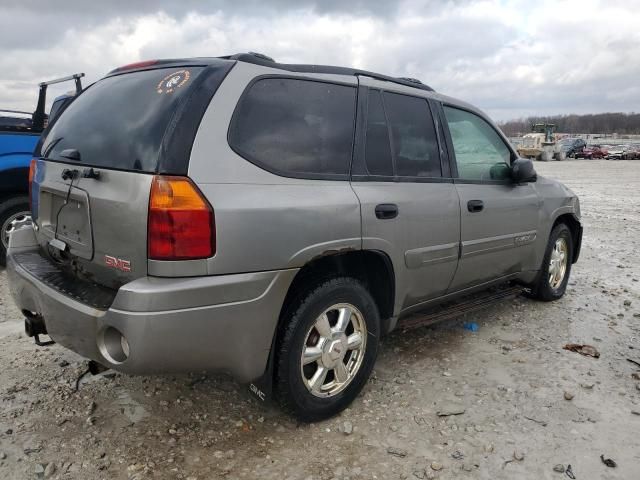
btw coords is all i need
(334, 352)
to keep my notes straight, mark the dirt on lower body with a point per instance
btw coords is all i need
(503, 402)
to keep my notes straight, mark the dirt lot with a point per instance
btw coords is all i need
(523, 404)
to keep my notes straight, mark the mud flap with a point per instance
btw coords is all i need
(262, 387)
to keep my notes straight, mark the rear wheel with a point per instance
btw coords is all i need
(326, 349)
(545, 156)
(560, 156)
(556, 265)
(14, 213)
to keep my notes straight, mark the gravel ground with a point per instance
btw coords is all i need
(522, 407)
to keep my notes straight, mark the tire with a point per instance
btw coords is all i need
(561, 156)
(545, 157)
(545, 288)
(293, 383)
(10, 210)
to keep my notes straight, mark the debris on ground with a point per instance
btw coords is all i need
(559, 468)
(568, 395)
(457, 455)
(608, 462)
(586, 350)
(635, 362)
(535, 420)
(80, 377)
(450, 410)
(347, 428)
(569, 472)
(397, 452)
(471, 326)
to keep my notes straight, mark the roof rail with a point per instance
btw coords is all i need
(411, 80)
(264, 60)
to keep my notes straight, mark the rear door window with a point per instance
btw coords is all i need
(294, 127)
(413, 136)
(120, 121)
(377, 146)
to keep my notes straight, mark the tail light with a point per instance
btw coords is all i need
(181, 221)
(32, 173)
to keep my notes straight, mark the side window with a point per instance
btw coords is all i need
(295, 126)
(414, 139)
(377, 147)
(480, 152)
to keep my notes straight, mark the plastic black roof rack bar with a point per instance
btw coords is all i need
(266, 61)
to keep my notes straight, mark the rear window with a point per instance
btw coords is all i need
(120, 121)
(299, 128)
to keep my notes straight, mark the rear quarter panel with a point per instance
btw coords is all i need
(265, 221)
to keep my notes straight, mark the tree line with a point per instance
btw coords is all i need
(604, 123)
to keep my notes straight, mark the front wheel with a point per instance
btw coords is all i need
(556, 265)
(326, 349)
(14, 213)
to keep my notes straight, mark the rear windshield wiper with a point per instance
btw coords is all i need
(50, 147)
(71, 154)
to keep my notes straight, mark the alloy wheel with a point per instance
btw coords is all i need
(333, 350)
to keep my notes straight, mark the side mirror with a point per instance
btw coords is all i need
(522, 171)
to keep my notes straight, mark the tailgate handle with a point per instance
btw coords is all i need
(385, 211)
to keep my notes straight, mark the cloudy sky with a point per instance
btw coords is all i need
(512, 58)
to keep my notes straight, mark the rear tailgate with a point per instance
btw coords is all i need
(90, 193)
(102, 222)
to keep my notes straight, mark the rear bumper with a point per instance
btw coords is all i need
(211, 323)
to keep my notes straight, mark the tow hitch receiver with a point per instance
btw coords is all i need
(34, 327)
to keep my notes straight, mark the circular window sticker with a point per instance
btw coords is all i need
(173, 81)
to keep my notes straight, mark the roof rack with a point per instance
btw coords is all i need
(264, 60)
(411, 80)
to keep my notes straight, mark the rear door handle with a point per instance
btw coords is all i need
(475, 206)
(385, 211)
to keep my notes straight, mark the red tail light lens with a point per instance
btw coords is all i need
(32, 173)
(181, 221)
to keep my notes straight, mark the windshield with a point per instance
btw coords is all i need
(120, 121)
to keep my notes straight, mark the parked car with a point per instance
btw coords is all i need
(592, 152)
(617, 152)
(273, 221)
(632, 152)
(19, 134)
(572, 146)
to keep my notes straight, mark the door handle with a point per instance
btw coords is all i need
(475, 206)
(385, 211)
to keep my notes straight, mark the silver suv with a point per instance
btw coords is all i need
(273, 221)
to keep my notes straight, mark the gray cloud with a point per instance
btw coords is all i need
(511, 58)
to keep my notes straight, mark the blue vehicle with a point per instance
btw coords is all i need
(19, 134)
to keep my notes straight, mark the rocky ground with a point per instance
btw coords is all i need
(520, 405)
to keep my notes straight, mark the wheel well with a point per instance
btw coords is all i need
(372, 268)
(574, 226)
(7, 195)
